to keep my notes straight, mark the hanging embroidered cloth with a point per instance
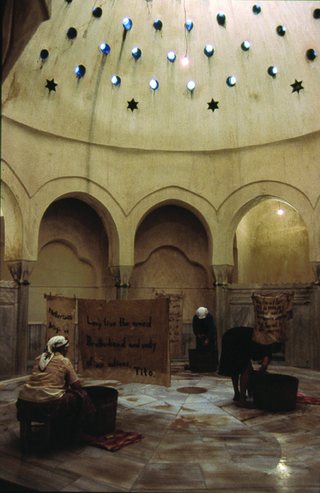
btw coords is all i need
(271, 313)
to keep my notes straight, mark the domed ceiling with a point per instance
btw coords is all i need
(46, 92)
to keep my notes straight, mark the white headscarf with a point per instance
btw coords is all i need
(202, 312)
(54, 344)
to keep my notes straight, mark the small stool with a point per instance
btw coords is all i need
(26, 426)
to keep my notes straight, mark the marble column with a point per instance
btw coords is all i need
(122, 275)
(223, 275)
(21, 271)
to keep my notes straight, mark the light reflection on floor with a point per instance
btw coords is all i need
(195, 439)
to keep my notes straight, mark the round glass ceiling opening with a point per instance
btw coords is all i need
(154, 84)
(105, 48)
(127, 23)
(80, 70)
(209, 50)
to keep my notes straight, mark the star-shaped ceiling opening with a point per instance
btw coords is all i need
(51, 85)
(297, 86)
(132, 105)
(213, 105)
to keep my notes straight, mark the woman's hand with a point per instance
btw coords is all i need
(264, 366)
(76, 385)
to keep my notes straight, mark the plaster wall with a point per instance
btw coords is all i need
(260, 109)
(273, 248)
(131, 171)
(219, 187)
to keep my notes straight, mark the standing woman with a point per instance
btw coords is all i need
(54, 391)
(238, 349)
(204, 328)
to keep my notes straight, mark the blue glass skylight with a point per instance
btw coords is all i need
(209, 50)
(191, 85)
(171, 56)
(232, 80)
(80, 70)
(189, 24)
(221, 18)
(157, 24)
(273, 71)
(44, 54)
(136, 53)
(245, 45)
(127, 23)
(311, 54)
(281, 30)
(97, 12)
(115, 79)
(154, 84)
(72, 33)
(105, 48)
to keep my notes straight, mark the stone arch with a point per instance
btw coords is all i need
(245, 198)
(101, 202)
(178, 196)
(172, 255)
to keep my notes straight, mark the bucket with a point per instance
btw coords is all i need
(203, 362)
(105, 400)
(275, 393)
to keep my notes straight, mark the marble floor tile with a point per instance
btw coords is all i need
(170, 477)
(89, 484)
(195, 439)
(113, 469)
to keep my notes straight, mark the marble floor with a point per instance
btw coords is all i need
(195, 439)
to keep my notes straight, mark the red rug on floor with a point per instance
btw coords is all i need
(116, 440)
(307, 400)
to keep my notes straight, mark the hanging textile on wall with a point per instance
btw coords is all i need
(175, 323)
(61, 320)
(271, 312)
(125, 340)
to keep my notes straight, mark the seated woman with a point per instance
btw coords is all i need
(54, 391)
(238, 349)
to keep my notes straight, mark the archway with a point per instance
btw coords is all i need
(271, 247)
(73, 256)
(172, 258)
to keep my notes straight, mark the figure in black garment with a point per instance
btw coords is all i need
(237, 351)
(204, 328)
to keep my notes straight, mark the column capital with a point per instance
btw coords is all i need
(222, 274)
(21, 270)
(122, 275)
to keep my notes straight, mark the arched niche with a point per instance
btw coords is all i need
(73, 256)
(172, 256)
(270, 247)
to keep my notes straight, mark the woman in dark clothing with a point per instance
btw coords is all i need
(238, 349)
(204, 328)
